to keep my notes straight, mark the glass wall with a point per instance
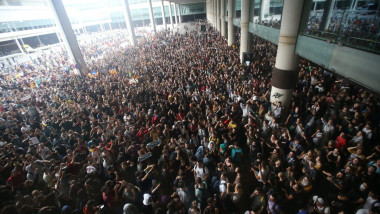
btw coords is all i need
(14, 26)
(8, 48)
(351, 23)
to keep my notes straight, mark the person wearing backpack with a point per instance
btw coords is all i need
(220, 186)
(201, 193)
(201, 171)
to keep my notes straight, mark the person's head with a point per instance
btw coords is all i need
(348, 170)
(200, 163)
(330, 122)
(199, 180)
(105, 189)
(371, 170)
(340, 174)
(341, 135)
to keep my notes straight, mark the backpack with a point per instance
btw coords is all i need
(203, 168)
(204, 195)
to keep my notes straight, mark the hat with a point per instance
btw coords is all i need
(147, 199)
(130, 209)
(321, 201)
(90, 169)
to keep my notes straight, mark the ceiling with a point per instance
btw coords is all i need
(187, 1)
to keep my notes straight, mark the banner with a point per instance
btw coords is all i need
(93, 74)
(112, 71)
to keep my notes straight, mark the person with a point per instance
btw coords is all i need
(278, 110)
(183, 90)
(319, 205)
(201, 171)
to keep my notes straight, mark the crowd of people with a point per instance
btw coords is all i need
(181, 126)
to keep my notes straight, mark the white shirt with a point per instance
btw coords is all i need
(200, 172)
(222, 186)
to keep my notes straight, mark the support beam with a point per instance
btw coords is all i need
(19, 46)
(285, 72)
(128, 21)
(215, 15)
(179, 13)
(170, 14)
(151, 16)
(222, 18)
(218, 15)
(264, 10)
(163, 14)
(327, 13)
(307, 5)
(68, 36)
(231, 27)
(245, 36)
(175, 14)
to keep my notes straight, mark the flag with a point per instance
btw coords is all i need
(93, 74)
(112, 71)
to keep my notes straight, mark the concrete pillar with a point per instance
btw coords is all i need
(231, 28)
(218, 15)
(151, 16)
(68, 36)
(327, 13)
(245, 37)
(264, 10)
(163, 14)
(213, 13)
(175, 14)
(179, 13)
(170, 14)
(128, 21)
(222, 18)
(285, 72)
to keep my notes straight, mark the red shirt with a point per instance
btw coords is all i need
(16, 180)
(340, 143)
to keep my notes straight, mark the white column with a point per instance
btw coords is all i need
(285, 72)
(68, 36)
(265, 4)
(175, 13)
(163, 14)
(222, 18)
(245, 38)
(128, 21)
(151, 16)
(179, 13)
(231, 28)
(215, 15)
(218, 15)
(170, 14)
